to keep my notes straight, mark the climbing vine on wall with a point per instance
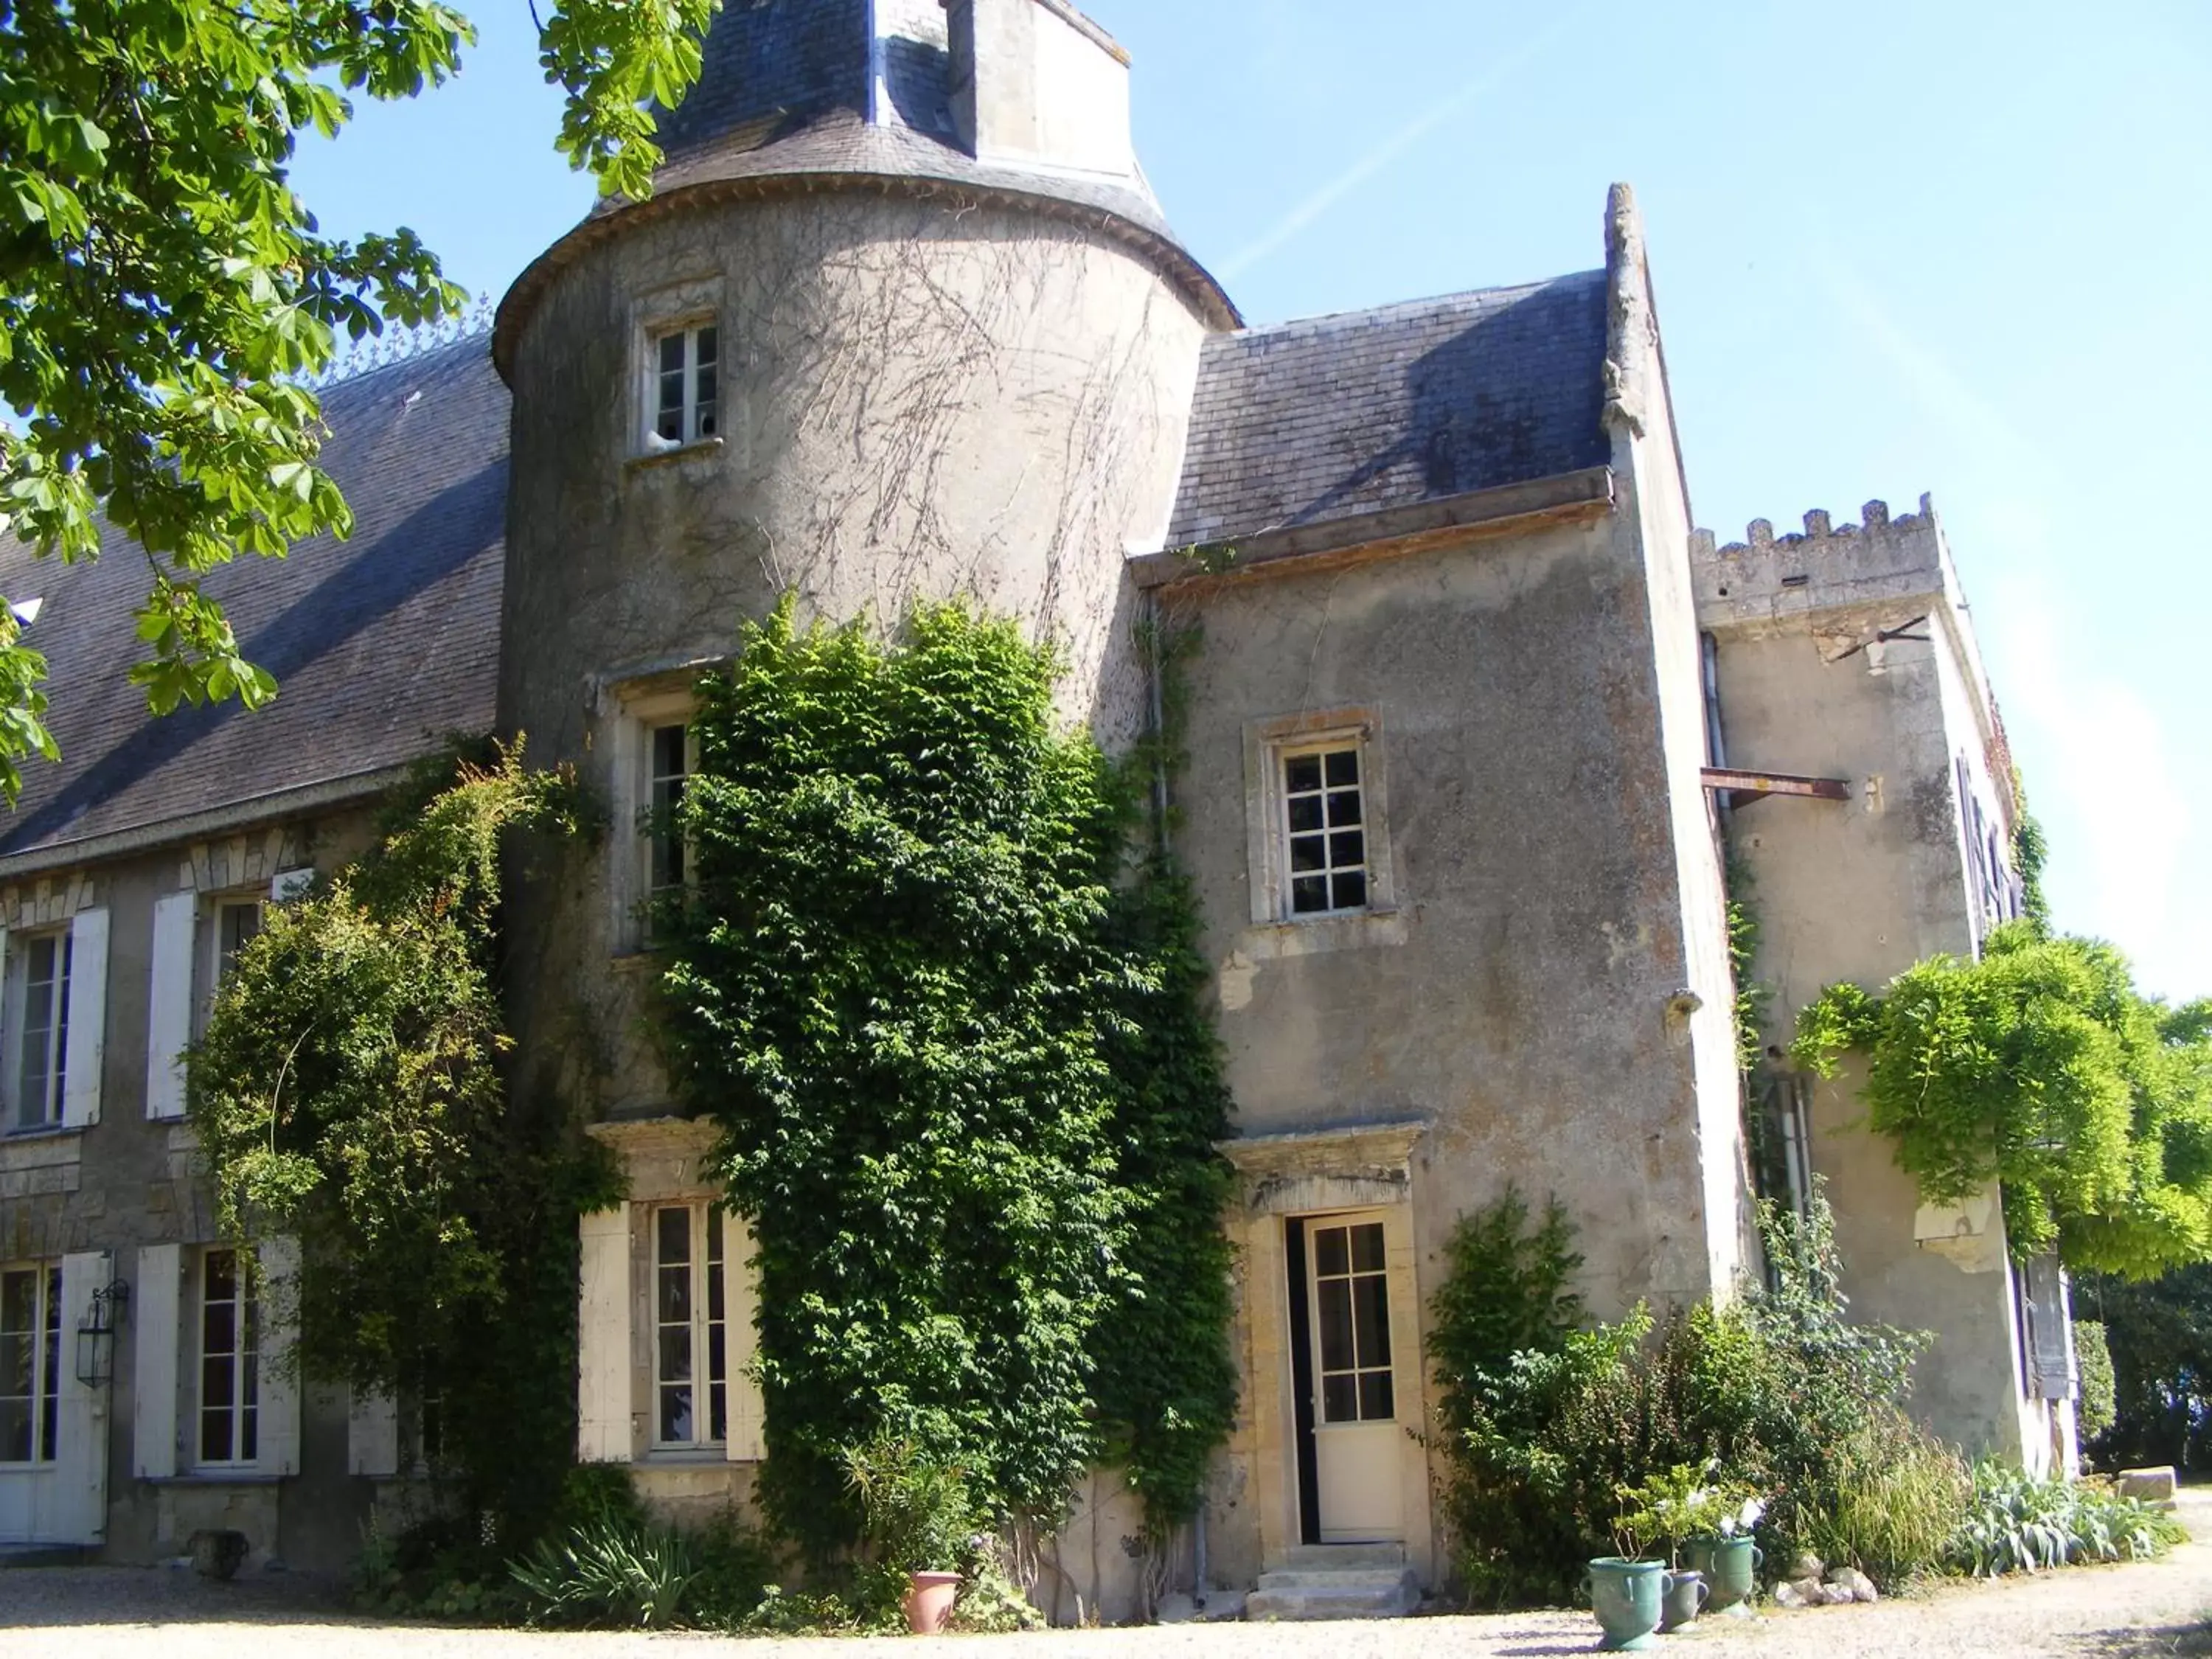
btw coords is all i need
(348, 1093)
(2041, 1066)
(948, 1023)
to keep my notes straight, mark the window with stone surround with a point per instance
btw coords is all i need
(30, 1361)
(1318, 851)
(685, 403)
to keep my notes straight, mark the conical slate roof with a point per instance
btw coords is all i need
(856, 94)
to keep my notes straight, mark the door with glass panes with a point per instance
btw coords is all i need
(1356, 1450)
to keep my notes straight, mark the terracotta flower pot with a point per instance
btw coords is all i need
(928, 1602)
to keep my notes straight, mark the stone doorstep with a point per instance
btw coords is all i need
(1337, 1581)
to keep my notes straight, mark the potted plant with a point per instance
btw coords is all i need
(918, 1520)
(1687, 1508)
(1728, 1558)
(1626, 1590)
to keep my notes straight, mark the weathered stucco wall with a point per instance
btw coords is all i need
(1521, 997)
(1863, 889)
(920, 402)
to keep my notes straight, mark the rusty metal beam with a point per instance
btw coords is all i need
(1750, 785)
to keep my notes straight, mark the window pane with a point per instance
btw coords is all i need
(1301, 772)
(249, 1434)
(222, 1275)
(675, 1301)
(668, 752)
(214, 1437)
(1351, 891)
(669, 425)
(1344, 809)
(706, 346)
(1343, 767)
(15, 1431)
(1305, 814)
(1370, 1304)
(1347, 847)
(50, 1410)
(1339, 1399)
(18, 1301)
(1307, 853)
(17, 1352)
(718, 1411)
(1308, 894)
(676, 1353)
(218, 1328)
(1375, 1401)
(1331, 1253)
(215, 1375)
(671, 354)
(676, 1414)
(1367, 1247)
(1333, 1313)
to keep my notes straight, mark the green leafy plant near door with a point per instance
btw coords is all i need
(943, 1004)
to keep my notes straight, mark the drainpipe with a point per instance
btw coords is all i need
(1716, 744)
(1198, 1552)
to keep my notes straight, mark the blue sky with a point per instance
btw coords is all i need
(1955, 247)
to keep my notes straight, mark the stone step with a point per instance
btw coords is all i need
(1322, 1596)
(1333, 1556)
(1342, 1578)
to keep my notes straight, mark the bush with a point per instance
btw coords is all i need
(1778, 1393)
(2019, 1524)
(2099, 1408)
(606, 1563)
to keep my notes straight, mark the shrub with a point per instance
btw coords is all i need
(1898, 1496)
(1778, 1395)
(2019, 1524)
(608, 1573)
(2098, 1407)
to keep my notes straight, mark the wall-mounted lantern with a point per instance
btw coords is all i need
(96, 1338)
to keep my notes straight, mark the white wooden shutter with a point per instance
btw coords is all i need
(604, 1433)
(290, 884)
(88, 1019)
(280, 1374)
(153, 1354)
(79, 1515)
(169, 1015)
(372, 1435)
(747, 1441)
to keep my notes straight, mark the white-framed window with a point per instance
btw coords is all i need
(37, 1026)
(1352, 1322)
(227, 922)
(1318, 842)
(690, 1348)
(684, 402)
(1324, 828)
(30, 1361)
(226, 1429)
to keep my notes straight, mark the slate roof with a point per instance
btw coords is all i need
(381, 644)
(1337, 416)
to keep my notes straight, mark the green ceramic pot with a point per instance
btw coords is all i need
(1681, 1599)
(1625, 1594)
(1730, 1567)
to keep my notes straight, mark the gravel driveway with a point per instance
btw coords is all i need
(2158, 1607)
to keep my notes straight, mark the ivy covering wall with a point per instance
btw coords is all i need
(943, 1003)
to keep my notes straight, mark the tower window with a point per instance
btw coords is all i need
(684, 385)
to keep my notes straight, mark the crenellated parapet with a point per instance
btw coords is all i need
(1767, 579)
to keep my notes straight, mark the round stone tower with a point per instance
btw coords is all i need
(901, 321)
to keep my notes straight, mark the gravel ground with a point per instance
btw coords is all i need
(2159, 1607)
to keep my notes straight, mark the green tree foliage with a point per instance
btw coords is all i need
(348, 1093)
(2040, 1066)
(966, 1091)
(164, 292)
(2158, 1334)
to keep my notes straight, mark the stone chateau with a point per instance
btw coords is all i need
(1475, 710)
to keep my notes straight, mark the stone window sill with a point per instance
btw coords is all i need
(1279, 941)
(644, 461)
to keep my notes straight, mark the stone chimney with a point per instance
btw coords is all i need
(1036, 83)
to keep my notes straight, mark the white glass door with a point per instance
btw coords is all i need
(1356, 1449)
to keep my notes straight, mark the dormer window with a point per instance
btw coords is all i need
(684, 401)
